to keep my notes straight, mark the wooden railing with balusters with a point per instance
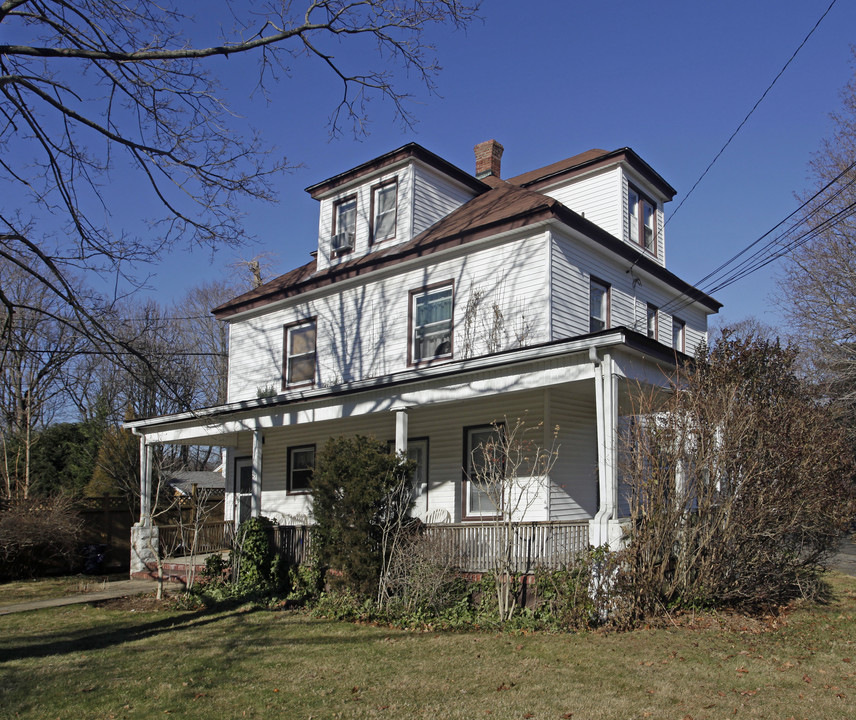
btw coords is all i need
(207, 537)
(549, 545)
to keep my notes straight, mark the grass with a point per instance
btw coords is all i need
(44, 588)
(95, 662)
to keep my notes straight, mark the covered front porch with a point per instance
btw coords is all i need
(434, 415)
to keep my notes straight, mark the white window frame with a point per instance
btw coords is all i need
(469, 486)
(290, 356)
(297, 452)
(445, 327)
(602, 316)
(679, 338)
(340, 215)
(637, 205)
(652, 321)
(378, 191)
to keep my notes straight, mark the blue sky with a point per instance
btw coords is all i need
(550, 79)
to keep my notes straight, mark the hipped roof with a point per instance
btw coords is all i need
(500, 207)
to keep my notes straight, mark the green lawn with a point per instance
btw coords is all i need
(42, 588)
(89, 662)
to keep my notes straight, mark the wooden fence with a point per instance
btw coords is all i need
(207, 537)
(549, 545)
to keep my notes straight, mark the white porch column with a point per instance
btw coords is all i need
(400, 430)
(146, 463)
(603, 531)
(229, 483)
(256, 498)
(144, 534)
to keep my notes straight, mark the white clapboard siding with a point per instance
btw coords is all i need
(596, 196)
(573, 264)
(434, 197)
(445, 450)
(574, 477)
(363, 328)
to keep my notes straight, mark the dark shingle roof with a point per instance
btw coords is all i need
(504, 206)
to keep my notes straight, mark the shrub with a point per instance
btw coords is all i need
(423, 577)
(355, 503)
(740, 485)
(38, 537)
(252, 556)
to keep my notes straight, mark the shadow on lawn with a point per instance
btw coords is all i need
(85, 639)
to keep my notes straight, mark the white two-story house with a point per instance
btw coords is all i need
(440, 302)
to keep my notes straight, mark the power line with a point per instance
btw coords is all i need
(763, 256)
(749, 114)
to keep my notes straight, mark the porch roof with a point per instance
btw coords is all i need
(215, 425)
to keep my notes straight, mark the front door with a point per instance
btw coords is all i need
(243, 489)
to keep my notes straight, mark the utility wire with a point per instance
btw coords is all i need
(761, 257)
(749, 114)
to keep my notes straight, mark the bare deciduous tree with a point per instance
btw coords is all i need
(103, 91)
(510, 470)
(37, 351)
(819, 285)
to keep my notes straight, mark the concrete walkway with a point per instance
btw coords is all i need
(845, 559)
(118, 589)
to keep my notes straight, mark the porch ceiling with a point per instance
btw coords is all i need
(527, 369)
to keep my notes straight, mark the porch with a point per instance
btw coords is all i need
(436, 415)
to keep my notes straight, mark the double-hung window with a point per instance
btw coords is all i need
(484, 471)
(679, 332)
(384, 211)
(301, 465)
(642, 220)
(598, 305)
(431, 323)
(300, 354)
(344, 224)
(651, 321)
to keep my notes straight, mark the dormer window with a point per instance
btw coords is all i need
(384, 201)
(344, 224)
(642, 220)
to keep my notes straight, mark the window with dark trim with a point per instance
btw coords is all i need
(344, 225)
(431, 322)
(484, 470)
(299, 353)
(642, 220)
(679, 334)
(301, 465)
(651, 322)
(384, 211)
(598, 305)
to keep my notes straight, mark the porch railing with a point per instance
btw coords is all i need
(209, 537)
(293, 542)
(549, 545)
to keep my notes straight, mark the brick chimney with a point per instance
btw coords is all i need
(488, 158)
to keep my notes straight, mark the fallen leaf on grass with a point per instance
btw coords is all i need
(742, 669)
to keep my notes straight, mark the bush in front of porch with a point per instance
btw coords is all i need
(361, 496)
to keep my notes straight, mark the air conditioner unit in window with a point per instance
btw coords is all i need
(342, 241)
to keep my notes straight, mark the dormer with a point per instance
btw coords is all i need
(616, 190)
(386, 202)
